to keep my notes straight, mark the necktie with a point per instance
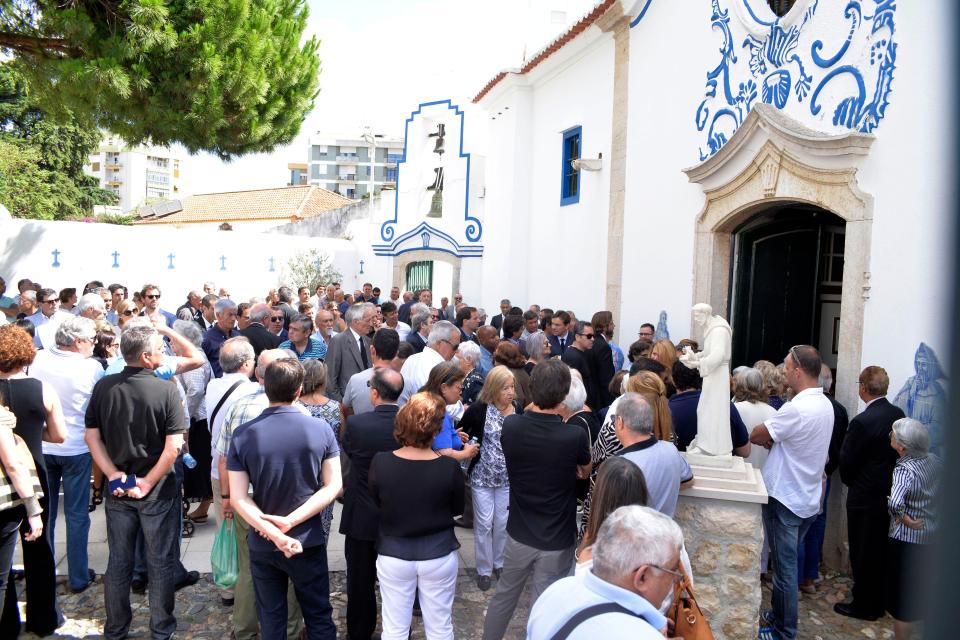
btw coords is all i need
(561, 344)
(363, 354)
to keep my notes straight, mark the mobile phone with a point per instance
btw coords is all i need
(129, 483)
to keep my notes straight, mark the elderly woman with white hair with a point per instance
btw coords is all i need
(468, 356)
(576, 413)
(750, 395)
(914, 521)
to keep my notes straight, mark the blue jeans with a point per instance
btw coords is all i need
(74, 473)
(308, 572)
(785, 530)
(160, 523)
(811, 549)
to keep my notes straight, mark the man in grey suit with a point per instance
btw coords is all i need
(349, 351)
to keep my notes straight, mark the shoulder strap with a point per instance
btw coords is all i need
(590, 612)
(223, 398)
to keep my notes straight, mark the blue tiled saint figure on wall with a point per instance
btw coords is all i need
(924, 396)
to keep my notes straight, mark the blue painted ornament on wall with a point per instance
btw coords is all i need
(797, 67)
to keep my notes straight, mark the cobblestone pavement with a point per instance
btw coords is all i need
(200, 614)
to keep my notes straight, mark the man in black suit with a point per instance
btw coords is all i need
(497, 320)
(207, 316)
(577, 357)
(261, 339)
(601, 358)
(866, 467)
(468, 320)
(420, 322)
(560, 338)
(364, 436)
(349, 352)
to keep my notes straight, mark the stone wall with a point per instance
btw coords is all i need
(724, 539)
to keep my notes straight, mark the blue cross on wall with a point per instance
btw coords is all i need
(361, 266)
(271, 264)
(56, 257)
(116, 254)
(170, 257)
(223, 260)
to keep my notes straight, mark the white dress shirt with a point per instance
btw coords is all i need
(416, 370)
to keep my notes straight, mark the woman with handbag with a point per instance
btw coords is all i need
(39, 417)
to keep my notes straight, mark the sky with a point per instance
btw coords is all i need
(380, 59)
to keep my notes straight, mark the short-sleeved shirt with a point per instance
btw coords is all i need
(356, 395)
(73, 377)
(283, 452)
(542, 454)
(683, 410)
(663, 468)
(5, 303)
(801, 432)
(447, 438)
(316, 349)
(135, 412)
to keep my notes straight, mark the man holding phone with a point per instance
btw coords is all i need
(135, 429)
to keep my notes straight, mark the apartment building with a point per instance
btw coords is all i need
(138, 175)
(352, 166)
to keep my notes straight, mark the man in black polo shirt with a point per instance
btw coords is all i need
(135, 426)
(544, 458)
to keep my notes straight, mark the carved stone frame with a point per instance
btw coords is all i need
(773, 159)
(400, 263)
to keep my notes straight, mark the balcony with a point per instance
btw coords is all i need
(349, 178)
(113, 183)
(348, 159)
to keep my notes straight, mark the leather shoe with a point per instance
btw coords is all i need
(191, 578)
(92, 574)
(139, 587)
(847, 609)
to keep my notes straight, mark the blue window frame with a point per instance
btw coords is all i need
(570, 177)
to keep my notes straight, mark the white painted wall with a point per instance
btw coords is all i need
(86, 248)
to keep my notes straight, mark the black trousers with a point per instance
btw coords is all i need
(40, 574)
(361, 558)
(867, 529)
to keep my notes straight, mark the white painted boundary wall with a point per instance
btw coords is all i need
(86, 253)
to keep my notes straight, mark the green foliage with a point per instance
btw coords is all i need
(310, 269)
(226, 76)
(41, 171)
(113, 218)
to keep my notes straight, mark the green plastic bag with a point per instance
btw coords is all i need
(223, 556)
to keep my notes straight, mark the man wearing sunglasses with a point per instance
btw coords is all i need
(576, 357)
(151, 304)
(49, 313)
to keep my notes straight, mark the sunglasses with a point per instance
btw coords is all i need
(589, 336)
(276, 319)
(152, 296)
(49, 301)
(128, 312)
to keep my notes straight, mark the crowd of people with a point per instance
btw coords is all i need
(560, 448)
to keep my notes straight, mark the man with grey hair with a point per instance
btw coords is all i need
(245, 409)
(664, 468)
(192, 306)
(69, 369)
(91, 305)
(49, 313)
(421, 319)
(442, 343)
(222, 330)
(285, 300)
(135, 427)
(260, 338)
(349, 352)
(636, 562)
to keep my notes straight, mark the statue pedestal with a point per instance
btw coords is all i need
(721, 520)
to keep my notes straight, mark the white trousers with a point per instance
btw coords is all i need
(399, 581)
(490, 527)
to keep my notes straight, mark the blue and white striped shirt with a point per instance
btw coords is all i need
(915, 484)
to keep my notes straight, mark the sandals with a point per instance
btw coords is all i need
(95, 499)
(197, 519)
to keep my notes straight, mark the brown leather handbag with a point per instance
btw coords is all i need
(689, 622)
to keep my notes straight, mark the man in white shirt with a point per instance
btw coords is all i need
(391, 319)
(441, 346)
(49, 313)
(798, 437)
(70, 370)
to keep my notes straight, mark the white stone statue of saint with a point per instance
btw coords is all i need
(713, 363)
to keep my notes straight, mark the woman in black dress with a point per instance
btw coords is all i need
(39, 417)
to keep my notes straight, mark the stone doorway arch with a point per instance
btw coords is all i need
(401, 262)
(774, 159)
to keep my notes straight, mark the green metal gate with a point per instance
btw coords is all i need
(420, 275)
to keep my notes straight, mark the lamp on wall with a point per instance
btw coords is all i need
(588, 164)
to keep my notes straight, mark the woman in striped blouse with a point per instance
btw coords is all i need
(913, 523)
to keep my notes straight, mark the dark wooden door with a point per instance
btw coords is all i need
(420, 275)
(775, 299)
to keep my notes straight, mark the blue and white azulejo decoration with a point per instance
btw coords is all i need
(827, 62)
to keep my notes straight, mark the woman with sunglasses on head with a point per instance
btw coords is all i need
(446, 381)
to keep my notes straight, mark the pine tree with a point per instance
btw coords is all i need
(226, 76)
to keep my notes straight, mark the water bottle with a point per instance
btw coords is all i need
(189, 461)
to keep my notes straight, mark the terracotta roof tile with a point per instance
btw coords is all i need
(561, 41)
(283, 203)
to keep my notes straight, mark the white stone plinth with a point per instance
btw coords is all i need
(721, 521)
